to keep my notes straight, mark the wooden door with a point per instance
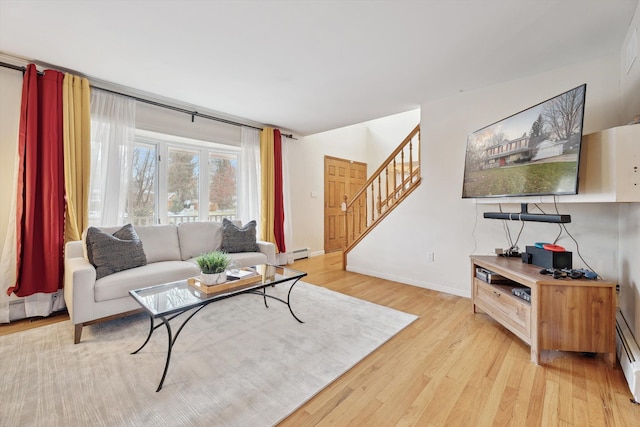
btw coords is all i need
(341, 177)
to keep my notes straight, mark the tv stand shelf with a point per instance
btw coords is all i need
(564, 314)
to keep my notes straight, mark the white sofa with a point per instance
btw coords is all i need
(170, 252)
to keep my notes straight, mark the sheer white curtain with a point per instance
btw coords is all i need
(249, 176)
(113, 125)
(8, 260)
(249, 185)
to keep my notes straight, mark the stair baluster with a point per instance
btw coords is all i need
(370, 213)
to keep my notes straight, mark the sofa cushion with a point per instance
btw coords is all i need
(119, 284)
(110, 253)
(160, 242)
(109, 229)
(238, 239)
(197, 238)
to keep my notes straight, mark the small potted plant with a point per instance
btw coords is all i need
(214, 267)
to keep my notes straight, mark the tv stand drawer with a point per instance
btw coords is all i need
(512, 312)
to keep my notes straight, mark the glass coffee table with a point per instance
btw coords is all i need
(170, 300)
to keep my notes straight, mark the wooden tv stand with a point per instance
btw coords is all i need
(564, 314)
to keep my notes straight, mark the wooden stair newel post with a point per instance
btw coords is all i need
(346, 230)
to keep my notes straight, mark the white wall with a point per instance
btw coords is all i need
(369, 142)
(385, 134)
(436, 219)
(162, 120)
(628, 263)
(306, 170)
(10, 99)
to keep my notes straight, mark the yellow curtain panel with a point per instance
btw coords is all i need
(76, 121)
(267, 203)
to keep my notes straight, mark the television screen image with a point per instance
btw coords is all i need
(534, 152)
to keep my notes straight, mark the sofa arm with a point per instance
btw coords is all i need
(79, 282)
(269, 249)
(74, 249)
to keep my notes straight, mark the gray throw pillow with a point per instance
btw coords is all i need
(110, 253)
(238, 239)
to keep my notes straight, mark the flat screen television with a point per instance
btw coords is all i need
(531, 153)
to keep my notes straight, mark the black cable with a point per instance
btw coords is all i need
(507, 231)
(515, 245)
(578, 251)
(473, 232)
(505, 227)
(559, 225)
(563, 226)
(559, 234)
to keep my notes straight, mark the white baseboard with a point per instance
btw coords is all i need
(408, 281)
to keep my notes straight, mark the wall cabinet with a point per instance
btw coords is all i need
(564, 314)
(609, 166)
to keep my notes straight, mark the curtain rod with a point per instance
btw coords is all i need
(193, 114)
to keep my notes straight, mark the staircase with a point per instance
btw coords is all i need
(389, 185)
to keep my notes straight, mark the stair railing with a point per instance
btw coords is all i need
(389, 185)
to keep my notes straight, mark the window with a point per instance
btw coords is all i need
(182, 185)
(141, 200)
(223, 195)
(167, 186)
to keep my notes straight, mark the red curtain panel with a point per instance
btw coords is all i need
(40, 205)
(278, 211)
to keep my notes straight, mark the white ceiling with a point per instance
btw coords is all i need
(311, 66)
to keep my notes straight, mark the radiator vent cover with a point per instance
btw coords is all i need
(628, 354)
(300, 254)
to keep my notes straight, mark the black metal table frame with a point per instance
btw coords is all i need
(260, 289)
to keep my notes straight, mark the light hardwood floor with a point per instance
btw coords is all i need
(455, 368)
(451, 368)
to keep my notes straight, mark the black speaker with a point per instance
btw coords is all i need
(547, 259)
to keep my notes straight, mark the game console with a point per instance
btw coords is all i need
(491, 277)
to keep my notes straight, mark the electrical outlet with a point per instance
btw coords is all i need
(430, 256)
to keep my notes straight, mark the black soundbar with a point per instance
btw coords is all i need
(524, 215)
(517, 216)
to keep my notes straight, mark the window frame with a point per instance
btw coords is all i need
(163, 143)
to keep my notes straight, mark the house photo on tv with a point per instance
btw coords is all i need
(534, 152)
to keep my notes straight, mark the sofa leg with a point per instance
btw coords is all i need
(77, 334)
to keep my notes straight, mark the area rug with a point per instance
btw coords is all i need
(236, 363)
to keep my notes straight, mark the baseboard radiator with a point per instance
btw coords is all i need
(628, 354)
(300, 254)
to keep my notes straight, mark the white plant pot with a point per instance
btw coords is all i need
(213, 279)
